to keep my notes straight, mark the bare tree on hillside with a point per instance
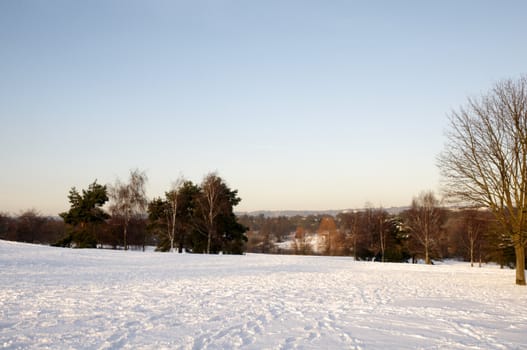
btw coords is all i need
(424, 222)
(485, 160)
(128, 200)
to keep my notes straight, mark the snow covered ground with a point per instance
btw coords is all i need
(100, 299)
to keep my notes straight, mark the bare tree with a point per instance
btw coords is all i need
(474, 223)
(355, 225)
(485, 160)
(424, 222)
(266, 241)
(211, 204)
(29, 226)
(377, 224)
(351, 225)
(355, 234)
(301, 244)
(328, 230)
(6, 223)
(171, 211)
(128, 200)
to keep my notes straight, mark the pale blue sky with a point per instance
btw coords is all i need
(297, 104)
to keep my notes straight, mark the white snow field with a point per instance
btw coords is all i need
(56, 298)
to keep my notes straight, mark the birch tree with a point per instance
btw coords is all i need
(485, 159)
(211, 204)
(129, 199)
(216, 218)
(172, 209)
(382, 234)
(171, 217)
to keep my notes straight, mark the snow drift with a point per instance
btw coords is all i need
(101, 299)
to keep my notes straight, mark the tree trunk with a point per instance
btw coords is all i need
(382, 247)
(381, 236)
(427, 247)
(173, 224)
(520, 263)
(471, 253)
(208, 241)
(124, 236)
(180, 246)
(355, 247)
(427, 256)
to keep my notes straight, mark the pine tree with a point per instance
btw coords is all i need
(84, 215)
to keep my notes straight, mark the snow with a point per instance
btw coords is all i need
(103, 299)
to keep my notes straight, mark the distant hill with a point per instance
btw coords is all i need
(332, 212)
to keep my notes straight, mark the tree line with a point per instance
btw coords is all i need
(178, 221)
(426, 231)
(31, 227)
(190, 217)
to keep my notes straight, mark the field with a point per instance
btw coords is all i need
(103, 299)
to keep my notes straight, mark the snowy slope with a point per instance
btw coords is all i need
(100, 299)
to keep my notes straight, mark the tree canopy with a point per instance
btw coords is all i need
(85, 211)
(485, 160)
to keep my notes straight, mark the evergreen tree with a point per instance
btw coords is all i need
(84, 215)
(158, 223)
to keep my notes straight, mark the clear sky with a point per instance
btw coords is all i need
(297, 104)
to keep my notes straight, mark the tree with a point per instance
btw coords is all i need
(164, 212)
(171, 218)
(211, 204)
(129, 200)
(85, 213)
(29, 226)
(172, 198)
(52, 230)
(396, 240)
(215, 217)
(265, 235)
(328, 230)
(485, 159)
(350, 223)
(232, 233)
(301, 243)
(472, 225)
(158, 223)
(423, 220)
(360, 231)
(5, 226)
(380, 234)
(186, 213)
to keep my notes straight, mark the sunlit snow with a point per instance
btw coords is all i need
(102, 299)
